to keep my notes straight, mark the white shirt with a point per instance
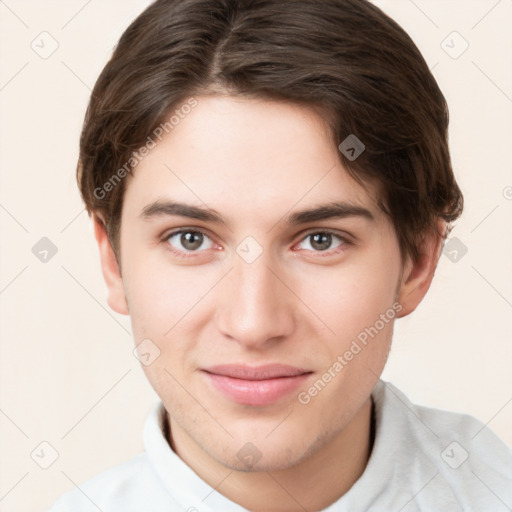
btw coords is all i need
(423, 459)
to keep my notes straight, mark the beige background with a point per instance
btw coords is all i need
(68, 375)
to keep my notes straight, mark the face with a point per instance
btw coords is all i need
(272, 324)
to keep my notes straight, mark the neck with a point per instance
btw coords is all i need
(313, 484)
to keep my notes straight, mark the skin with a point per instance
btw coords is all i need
(254, 162)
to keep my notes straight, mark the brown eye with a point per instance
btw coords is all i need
(191, 241)
(188, 240)
(323, 241)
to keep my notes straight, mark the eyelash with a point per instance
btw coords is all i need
(182, 254)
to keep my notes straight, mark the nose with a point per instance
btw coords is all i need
(255, 309)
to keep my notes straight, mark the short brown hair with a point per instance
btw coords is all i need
(345, 57)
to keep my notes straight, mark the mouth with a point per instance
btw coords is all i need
(260, 385)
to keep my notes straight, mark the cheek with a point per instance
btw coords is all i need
(167, 307)
(160, 294)
(352, 297)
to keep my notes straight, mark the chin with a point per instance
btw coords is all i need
(265, 455)
(273, 462)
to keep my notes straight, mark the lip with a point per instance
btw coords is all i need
(256, 385)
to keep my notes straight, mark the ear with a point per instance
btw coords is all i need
(417, 275)
(116, 297)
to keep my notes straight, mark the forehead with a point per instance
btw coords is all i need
(246, 157)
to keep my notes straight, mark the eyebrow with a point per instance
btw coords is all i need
(332, 210)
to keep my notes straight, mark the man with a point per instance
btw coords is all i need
(270, 185)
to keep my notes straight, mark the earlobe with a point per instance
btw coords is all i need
(417, 276)
(116, 297)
